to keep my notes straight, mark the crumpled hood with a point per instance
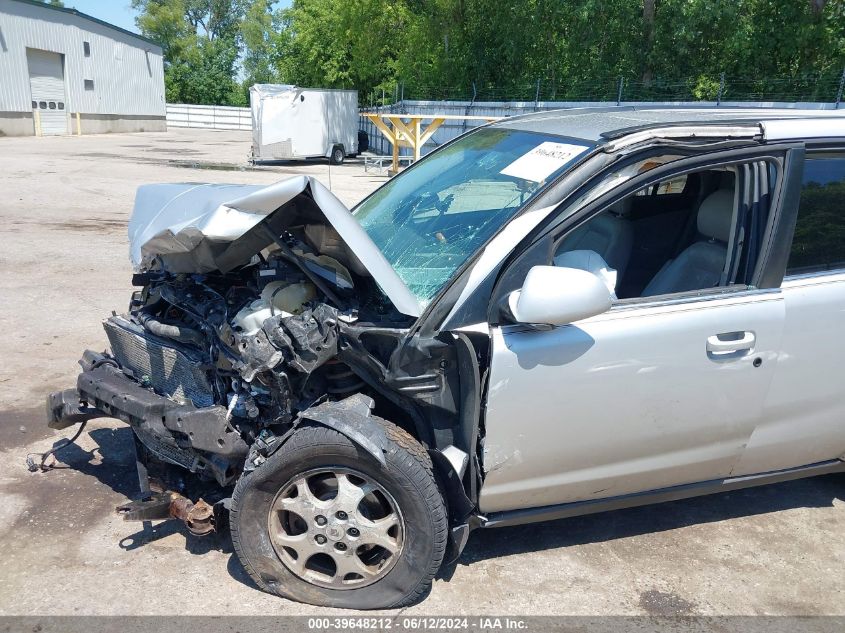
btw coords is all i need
(200, 228)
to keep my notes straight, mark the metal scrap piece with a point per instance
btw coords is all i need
(198, 517)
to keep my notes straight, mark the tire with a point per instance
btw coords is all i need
(407, 482)
(337, 155)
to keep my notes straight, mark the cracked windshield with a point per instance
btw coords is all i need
(431, 219)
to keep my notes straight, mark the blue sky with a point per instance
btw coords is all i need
(117, 12)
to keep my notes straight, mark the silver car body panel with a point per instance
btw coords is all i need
(803, 418)
(595, 124)
(626, 401)
(821, 127)
(194, 221)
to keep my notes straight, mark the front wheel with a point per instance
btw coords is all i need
(322, 522)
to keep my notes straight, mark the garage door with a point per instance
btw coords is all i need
(47, 82)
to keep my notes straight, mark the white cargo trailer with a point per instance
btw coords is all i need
(289, 122)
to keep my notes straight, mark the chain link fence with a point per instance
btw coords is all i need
(823, 91)
(819, 88)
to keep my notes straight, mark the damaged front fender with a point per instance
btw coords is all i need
(353, 418)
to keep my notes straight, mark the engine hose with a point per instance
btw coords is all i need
(176, 332)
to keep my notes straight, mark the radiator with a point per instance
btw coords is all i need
(170, 371)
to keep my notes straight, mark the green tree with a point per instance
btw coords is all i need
(202, 41)
(165, 22)
(257, 32)
(577, 50)
(332, 44)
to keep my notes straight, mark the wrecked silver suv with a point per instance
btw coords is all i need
(553, 315)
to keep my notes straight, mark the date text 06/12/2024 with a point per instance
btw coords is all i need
(482, 623)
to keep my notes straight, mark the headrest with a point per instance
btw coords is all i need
(716, 214)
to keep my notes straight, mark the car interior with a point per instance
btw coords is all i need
(676, 236)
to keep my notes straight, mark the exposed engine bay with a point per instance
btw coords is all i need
(242, 352)
(237, 335)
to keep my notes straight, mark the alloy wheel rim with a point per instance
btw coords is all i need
(335, 528)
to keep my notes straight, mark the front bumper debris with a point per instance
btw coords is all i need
(199, 439)
(103, 390)
(198, 517)
(65, 409)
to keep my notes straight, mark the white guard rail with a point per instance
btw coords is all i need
(209, 117)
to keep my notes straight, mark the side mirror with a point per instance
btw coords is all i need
(557, 296)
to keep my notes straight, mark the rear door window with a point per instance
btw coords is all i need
(819, 241)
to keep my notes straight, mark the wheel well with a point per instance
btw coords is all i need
(389, 410)
(458, 504)
(352, 418)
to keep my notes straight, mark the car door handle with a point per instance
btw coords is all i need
(730, 342)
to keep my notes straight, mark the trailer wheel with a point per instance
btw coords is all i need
(337, 155)
(322, 522)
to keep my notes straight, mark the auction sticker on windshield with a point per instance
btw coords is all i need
(543, 160)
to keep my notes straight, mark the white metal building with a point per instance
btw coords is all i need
(64, 72)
